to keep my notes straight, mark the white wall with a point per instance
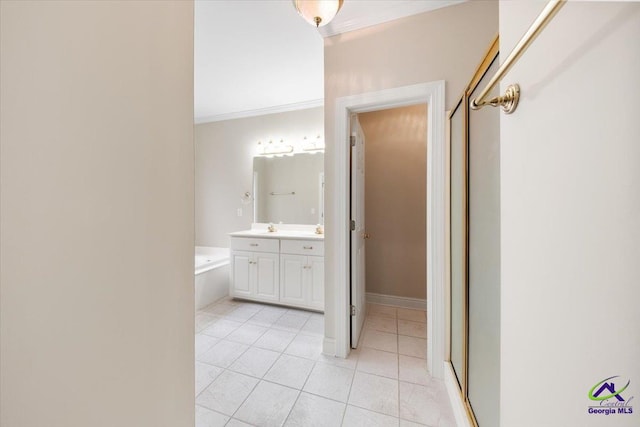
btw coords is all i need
(224, 167)
(96, 214)
(570, 215)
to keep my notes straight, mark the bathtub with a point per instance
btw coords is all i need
(212, 275)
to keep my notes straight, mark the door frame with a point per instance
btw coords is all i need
(432, 94)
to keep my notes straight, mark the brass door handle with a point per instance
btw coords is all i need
(366, 235)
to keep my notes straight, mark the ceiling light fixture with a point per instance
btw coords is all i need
(318, 12)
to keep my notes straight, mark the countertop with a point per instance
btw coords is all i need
(279, 234)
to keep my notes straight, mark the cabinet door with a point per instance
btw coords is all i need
(315, 286)
(267, 282)
(241, 263)
(292, 287)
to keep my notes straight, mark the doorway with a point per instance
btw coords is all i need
(339, 272)
(388, 211)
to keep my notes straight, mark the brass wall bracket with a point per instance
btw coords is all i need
(508, 101)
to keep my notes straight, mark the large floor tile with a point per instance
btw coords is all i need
(380, 340)
(381, 310)
(267, 317)
(268, 405)
(308, 346)
(375, 393)
(203, 320)
(413, 370)
(412, 329)
(247, 333)
(358, 417)
(221, 328)
(275, 339)
(378, 362)
(315, 325)
(291, 371)
(237, 423)
(205, 374)
(382, 324)
(405, 423)
(315, 411)
(350, 362)
(291, 322)
(255, 362)
(223, 354)
(208, 418)
(411, 346)
(227, 392)
(413, 315)
(204, 343)
(329, 381)
(420, 404)
(242, 313)
(221, 308)
(300, 312)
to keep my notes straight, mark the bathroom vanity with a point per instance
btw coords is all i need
(283, 267)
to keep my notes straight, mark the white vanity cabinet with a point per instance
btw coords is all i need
(302, 273)
(280, 270)
(255, 269)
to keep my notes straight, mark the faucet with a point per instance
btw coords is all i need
(271, 228)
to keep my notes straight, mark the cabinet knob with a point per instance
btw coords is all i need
(366, 235)
(253, 244)
(307, 247)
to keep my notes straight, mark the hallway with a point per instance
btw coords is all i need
(261, 365)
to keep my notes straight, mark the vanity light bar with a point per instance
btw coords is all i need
(278, 150)
(272, 149)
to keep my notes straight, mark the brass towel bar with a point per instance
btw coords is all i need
(509, 101)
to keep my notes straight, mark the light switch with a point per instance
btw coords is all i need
(313, 211)
(239, 211)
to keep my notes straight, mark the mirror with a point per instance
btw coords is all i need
(289, 189)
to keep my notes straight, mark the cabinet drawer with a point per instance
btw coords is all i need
(302, 247)
(255, 245)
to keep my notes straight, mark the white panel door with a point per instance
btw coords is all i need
(358, 232)
(240, 273)
(267, 275)
(292, 286)
(315, 283)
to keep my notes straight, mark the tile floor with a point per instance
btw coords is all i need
(261, 365)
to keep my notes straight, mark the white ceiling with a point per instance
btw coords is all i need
(258, 56)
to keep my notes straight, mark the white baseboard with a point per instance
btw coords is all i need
(459, 412)
(329, 347)
(404, 302)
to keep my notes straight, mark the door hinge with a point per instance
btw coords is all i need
(353, 310)
(352, 140)
(353, 225)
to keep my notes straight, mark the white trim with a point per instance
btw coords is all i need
(404, 302)
(329, 346)
(261, 111)
(433, 95)
(455, 397)
(396, 11)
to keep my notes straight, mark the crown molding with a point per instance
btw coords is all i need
(260, 111)
(401, 10)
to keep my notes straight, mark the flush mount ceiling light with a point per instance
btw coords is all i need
(318, 12)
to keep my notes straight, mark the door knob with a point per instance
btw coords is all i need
(366, 235)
